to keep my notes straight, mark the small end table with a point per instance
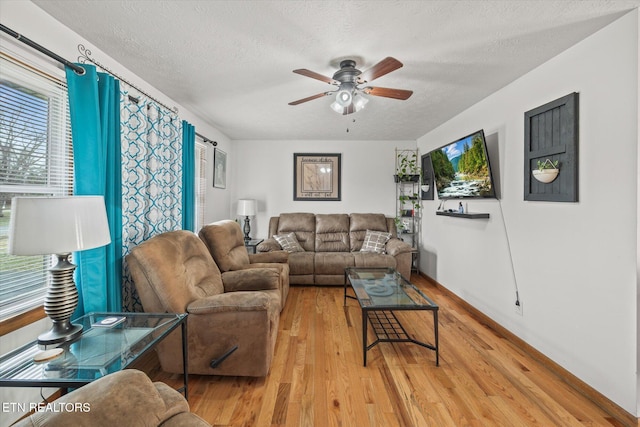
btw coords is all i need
(97, 352)
(252, 244)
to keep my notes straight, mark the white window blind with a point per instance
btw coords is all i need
(36, 159)
(200, 182)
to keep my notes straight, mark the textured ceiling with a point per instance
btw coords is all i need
(231, 62)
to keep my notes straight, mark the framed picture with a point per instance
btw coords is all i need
(316, 176)
(219, 168)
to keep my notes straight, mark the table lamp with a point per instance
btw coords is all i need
(246, 208)
(58, 225)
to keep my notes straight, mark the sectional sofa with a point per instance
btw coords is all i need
(328, 243)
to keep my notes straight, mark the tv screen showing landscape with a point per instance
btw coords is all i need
(461, 169)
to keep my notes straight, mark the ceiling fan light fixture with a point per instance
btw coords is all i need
(337, 107)
(359, 101)
(344, 97)
(349, 96)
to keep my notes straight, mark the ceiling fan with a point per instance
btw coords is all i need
(350, 93)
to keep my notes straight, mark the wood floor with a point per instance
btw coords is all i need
(317, 377)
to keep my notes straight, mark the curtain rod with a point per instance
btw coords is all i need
(77, 69)
(205, 139)
(85, 55)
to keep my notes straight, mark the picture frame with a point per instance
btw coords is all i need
(219, 168)
(317, 176)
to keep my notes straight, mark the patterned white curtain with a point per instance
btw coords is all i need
(151, 178)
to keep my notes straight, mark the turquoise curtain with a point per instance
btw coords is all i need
(94, 106)
(188, 176)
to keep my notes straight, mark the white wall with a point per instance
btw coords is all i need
(638, 246)
(263, 170)
(575, 264)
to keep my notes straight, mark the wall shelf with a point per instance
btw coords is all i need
(468, 215)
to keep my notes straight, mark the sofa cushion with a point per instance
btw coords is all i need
(302, 224)
(225, 241)
(333, 263)
(301, 263)
(375, 241)
(370, 259)
(332, 233)
(359, 225)
(288, 242)
(182, 261)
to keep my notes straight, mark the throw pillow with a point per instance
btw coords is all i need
(374, 241)
(289, 242)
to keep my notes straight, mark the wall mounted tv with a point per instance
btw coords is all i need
(461, 169)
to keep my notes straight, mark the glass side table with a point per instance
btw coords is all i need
(97, 352)
(252, 244)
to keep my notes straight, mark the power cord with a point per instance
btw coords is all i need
(513, 269)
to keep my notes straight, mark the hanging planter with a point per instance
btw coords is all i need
(547, 171)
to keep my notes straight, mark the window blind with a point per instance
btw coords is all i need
(36, 159)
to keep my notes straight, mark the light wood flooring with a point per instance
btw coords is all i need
(318, 379)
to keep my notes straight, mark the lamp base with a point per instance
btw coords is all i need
(247, 229)
(60, 303)
(60, 333)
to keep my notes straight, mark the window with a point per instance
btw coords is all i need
(35, 159)
(201, 182)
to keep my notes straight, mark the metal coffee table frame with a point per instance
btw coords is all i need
(384, 322)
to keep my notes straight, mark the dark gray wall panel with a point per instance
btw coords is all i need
(551, 132)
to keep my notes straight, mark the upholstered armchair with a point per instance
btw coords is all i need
(225, 242)
(173, 272)
(124, 398)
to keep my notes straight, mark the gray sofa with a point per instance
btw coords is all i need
(332, 242)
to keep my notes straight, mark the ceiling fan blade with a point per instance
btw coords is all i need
(388, 92)
(310, 98)
(383, 67)
(314, 75)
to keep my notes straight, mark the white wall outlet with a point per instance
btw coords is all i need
(518, 307)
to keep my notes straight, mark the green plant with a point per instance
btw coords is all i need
(547, 164)
(413, 199)
(399, 224)
(407, 164)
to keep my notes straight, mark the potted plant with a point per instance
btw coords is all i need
(399, 224)
(413, 199)
(407, 167)
(547, 171)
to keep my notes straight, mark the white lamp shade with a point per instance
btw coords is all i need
(57, 225)
(246, 207)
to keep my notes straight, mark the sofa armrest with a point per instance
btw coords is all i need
(269, 245)
(113, 400)
(251, 279)
(396, 247)
(230, 302)
(277, 256)
(185, 420)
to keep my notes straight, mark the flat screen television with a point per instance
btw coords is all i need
(461, 169)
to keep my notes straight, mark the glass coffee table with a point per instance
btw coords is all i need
(381, 292)
(99, 351)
